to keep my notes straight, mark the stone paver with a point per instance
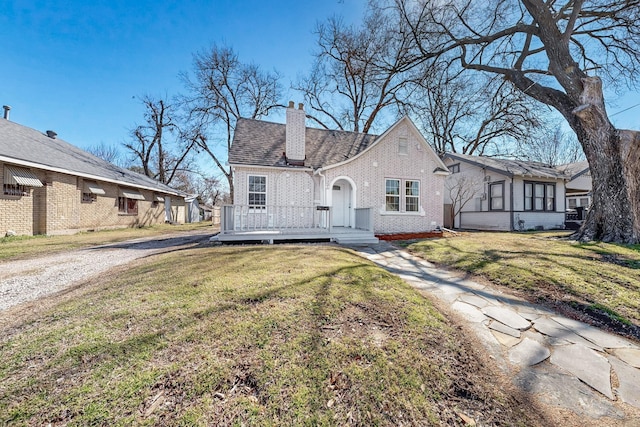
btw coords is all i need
(508, 317)
(474, 300)
(469, 312)
(507, 341)
(630, 356)
(561, 361)
(501, 327)
(596, 336)
(629, 379)
(528, 353)
(556, 330)
(565, 391)
(585, 364)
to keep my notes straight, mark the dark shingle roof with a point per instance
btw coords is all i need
(512, 167)
(22, 144)
(260, 143)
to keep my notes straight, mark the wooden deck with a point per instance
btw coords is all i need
(342, 235)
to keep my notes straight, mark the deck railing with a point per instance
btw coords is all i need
(237, 218)
(364, 219)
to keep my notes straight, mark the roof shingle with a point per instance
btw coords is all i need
(261, 143)
(23, 144)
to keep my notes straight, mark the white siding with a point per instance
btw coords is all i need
(476, 213)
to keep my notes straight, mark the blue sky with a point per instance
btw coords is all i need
(76, 67)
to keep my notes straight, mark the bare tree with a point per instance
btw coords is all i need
(480, 116)
(221, 90)
(551, 146)
(558, 53)
(109, 153)
(359, 72)
(461, 189)
(159, 146)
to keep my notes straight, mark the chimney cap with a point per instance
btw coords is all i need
(291, 104)
(300, 106)
(51, 134)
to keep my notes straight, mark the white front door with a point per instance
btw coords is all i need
(341, 197)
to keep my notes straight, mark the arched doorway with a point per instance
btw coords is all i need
(341, 196)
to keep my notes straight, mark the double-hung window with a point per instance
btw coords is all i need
(539, 196)
(402, 195)
(496, 196)
(257, 191)
(393, 195)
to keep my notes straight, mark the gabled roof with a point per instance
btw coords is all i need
(574, 170)
(263, 144)
(511, 167)
(28, 147)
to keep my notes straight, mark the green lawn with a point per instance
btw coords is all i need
(27, 246)
(596, 277)
(247, 335)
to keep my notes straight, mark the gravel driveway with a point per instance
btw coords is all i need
(30, 279)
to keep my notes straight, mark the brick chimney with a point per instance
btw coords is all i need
(295, 143)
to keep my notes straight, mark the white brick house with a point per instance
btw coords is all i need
(290, 177)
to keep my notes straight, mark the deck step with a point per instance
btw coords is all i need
(357, 240)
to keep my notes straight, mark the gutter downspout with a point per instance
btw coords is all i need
(511, 218)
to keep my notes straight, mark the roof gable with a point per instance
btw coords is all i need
(24, 146)
(261, 143)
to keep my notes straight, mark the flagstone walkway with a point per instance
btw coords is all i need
(565, 363)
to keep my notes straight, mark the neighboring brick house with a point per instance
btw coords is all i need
(285, 173)
(52, 187)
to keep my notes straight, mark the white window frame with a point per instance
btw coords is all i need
(402, 196)
(250, 192)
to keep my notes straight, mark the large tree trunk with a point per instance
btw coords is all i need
(614, 161)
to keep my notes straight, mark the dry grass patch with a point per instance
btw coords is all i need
(28, 246)
(598, 281)
(251, 335)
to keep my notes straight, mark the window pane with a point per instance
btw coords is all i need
(527, 204)
(550, 204)
(584, 202)
(393, 186)
(496, 190)
(412, 204)
(539, 203)
(539, 190)
(412, 188)
(496, 203)
(572, 203)
(550, 190)
(393, 203)
(528, 190)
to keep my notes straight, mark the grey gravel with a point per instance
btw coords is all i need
(30, 279)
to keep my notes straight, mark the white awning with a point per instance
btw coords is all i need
(20, 176)
(131, 194)
(92, 187)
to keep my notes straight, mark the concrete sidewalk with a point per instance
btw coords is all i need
(563, 362)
